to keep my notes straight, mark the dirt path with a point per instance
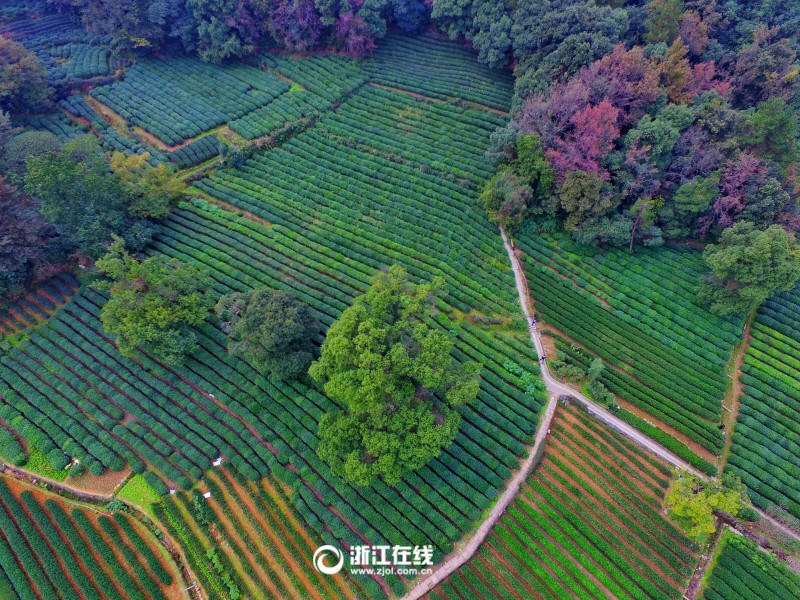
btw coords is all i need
(699, 573)
(594, 409)
(730, 404)
(555, 389)
(464, 553)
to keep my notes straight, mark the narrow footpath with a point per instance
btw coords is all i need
(600, 412)
(555, 389)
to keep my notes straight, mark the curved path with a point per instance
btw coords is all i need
(558, 388)
(555, 389)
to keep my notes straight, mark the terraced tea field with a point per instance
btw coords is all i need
(325, 210)
(68, 54)
(744, 572)
(441, 70)
(766, 441)
(50, 548)
(251, 528)
(587, 524)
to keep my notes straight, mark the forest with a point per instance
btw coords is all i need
(632, 123)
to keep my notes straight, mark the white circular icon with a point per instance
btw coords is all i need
(319, 559)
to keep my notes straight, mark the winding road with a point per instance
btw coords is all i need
(555, 389)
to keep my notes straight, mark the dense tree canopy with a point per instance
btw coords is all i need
(85, 202)
(23, 85)
(694, 500)
(77, 195)
(271, 329)
(28, 245)
(394, 376)
(150, 191)
(23, 146)
(218, 30)
(153, 303)
(747, 265)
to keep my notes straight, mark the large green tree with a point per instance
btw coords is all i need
(18, 149)
(85, 202)
(693, 500)
(23, 83)
(772, 129)
(153, 303)
(747, 265)
(506, 197)
(393, 373)
(271, 329)
(151, 191)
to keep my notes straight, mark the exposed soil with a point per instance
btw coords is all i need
(106, 484)
(601, 490)
(600, 515)
(572, 420)
(26, 319)
(119, 123)
(549, 345)
(242, 502)
(697, 577)
(229, 207)
(569, 584)
(733, 394)
(292, 522)
(172, 592)
(242, 553)
(500, 558)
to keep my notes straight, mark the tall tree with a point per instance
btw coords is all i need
(583, 196)
(772, 130)
(151, 191)
(28, 244)
(294, 24)
(393, 373)
(153, 303)
(766, 68)
(506, 198)
(747, 265)
(77, 194)
(23, 146)
(663, 20)
(694, 32)
(23, 81)
(694, 500)
(271, 329)
(82, 199)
